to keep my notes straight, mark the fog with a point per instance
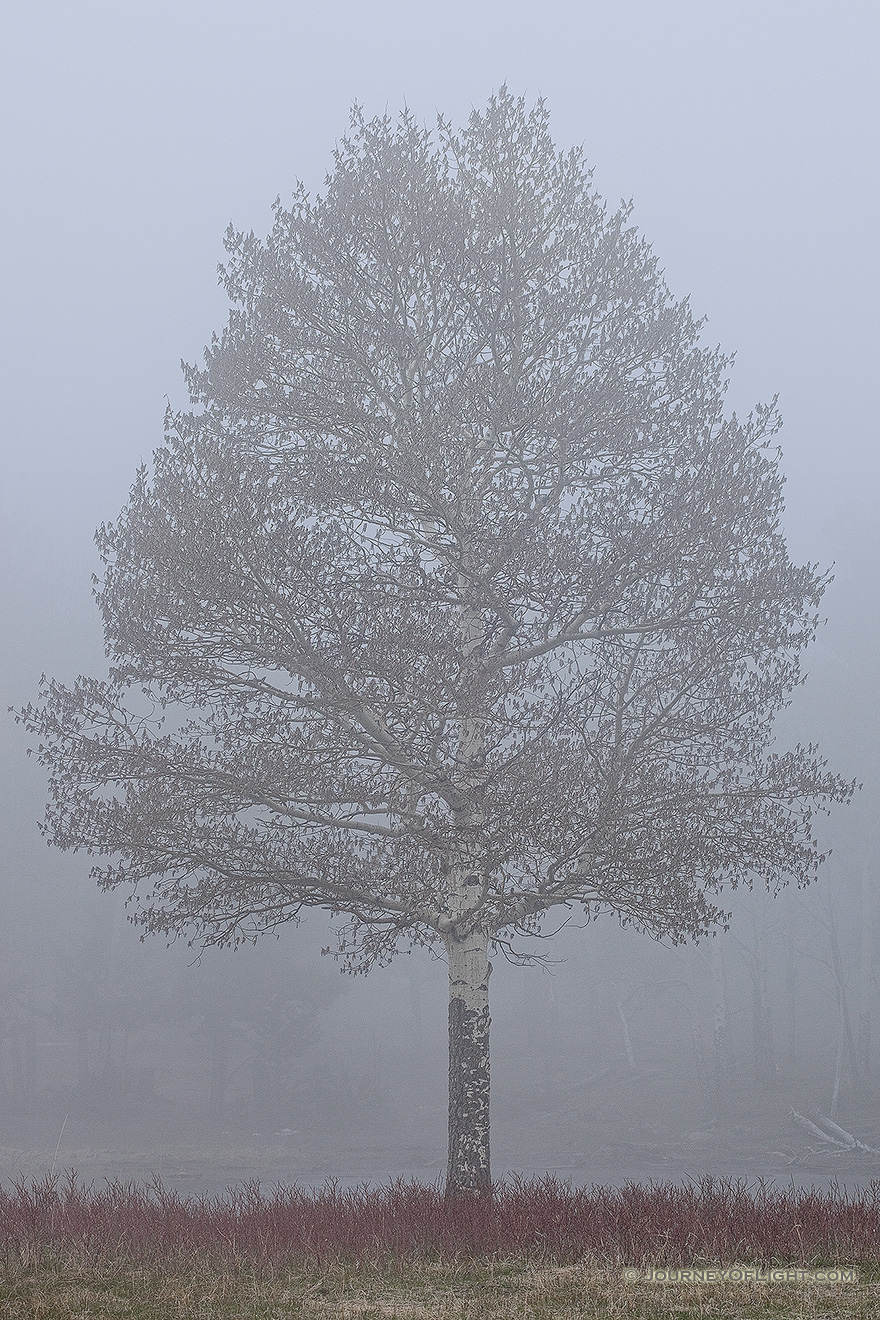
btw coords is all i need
(133, 135)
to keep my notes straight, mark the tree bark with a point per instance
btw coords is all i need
(219, 1066)
(766, 1070)
(843, 999)
(30, 1050)
(415, 1006)
(467, 943)
(468, 1171)
(82, 1058)
(866, 976)
(792, 966)
(720, 1058)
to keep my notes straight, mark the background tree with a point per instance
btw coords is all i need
(456, 597)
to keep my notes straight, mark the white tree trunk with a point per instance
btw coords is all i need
(468, 1168)
(467, 944)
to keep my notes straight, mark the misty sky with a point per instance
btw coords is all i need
(745, 133)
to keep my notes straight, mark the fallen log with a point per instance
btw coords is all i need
(815, 1132)
(830, 1133)
(841, 1133)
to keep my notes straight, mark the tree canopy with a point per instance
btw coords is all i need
(457, 595)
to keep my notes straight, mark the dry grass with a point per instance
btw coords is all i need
(536, 1250)
(206, 1288)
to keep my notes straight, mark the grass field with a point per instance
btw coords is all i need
(536, 1249)
(415, 1290)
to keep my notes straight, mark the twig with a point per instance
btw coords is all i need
(58, 1144)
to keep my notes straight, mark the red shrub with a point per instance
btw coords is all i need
(713, 1220)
